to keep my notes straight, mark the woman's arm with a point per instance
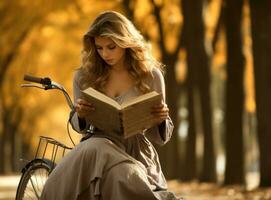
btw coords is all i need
(161, 133)
(78, 124)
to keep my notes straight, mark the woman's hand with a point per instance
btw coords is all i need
(160, 113)
(83, 108)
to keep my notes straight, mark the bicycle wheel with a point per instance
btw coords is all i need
(33, 179)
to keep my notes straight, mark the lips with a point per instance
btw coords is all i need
(108, 60)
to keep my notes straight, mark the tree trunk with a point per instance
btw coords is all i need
(1, 153)
(208, 173)
(234, 173)
(170, 153)
(261, 31)
(190, 165)
(198, 81)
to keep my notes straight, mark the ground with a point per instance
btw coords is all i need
(190, 191)
(206, 191)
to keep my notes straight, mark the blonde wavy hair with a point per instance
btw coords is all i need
(113, 25)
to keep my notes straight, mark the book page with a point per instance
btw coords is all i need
(106, 115)
(137, 116)
(139, 99)
(102, 97)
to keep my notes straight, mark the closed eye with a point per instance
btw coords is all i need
(112, 47)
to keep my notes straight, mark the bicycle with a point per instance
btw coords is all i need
(36, 171)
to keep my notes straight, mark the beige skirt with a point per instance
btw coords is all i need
(97, 169)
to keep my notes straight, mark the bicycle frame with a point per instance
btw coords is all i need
(47, 84)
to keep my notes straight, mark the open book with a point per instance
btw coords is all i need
(129, 118)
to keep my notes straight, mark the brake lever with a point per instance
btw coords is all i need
(32, 85)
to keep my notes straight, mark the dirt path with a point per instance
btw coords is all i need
(8, 186)
(190, 191)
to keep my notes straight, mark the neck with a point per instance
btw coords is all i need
(119, 67)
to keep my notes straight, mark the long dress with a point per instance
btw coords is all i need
(108, 167)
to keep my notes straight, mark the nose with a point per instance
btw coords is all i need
(104, 53)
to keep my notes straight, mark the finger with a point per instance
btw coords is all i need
(164, 110)
(83, 112)
(161, 106)
(158, 106)
(164, 117)
(83, 102)
(80, 101)
(161, 117)
(81, 109)
(78, 107)
(86, 107)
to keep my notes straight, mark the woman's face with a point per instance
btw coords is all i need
(109, 51)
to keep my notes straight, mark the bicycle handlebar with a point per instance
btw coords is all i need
(43, 81)
(46, 85)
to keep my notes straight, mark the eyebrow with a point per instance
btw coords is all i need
(110, 44)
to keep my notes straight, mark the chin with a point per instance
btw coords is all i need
(111, 63)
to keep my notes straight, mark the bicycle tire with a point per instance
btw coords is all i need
(33, 179)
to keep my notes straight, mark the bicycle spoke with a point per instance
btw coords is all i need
(34, 188)
(37, 181)
(33, 181)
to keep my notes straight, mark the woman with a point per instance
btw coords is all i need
(117, 62)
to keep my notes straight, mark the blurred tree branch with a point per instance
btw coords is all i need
(14, 30)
